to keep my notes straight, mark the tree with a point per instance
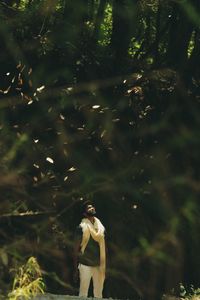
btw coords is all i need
(180, 33)
(120, 38)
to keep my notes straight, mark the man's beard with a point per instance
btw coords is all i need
(91, 213)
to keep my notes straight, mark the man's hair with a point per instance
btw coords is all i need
(85, 204)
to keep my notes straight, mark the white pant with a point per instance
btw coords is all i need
(86, 273)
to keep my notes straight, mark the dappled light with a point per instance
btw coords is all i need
(99, 100)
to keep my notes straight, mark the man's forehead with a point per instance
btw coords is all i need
(90, 205)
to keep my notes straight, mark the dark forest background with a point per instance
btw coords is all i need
(100, 100)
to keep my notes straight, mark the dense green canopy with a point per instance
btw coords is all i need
(100, 100)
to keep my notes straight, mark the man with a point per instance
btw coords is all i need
(90, 254)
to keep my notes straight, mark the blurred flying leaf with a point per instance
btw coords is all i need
(50, 160)
(4, 257)
(36, 166)
(62, 117)
(72, 169)
(40, 89)
(6, 91)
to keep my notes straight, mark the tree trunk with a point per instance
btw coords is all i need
(194, 61)
(179, 37)
(158, 35)
(99, 19)
(76, 14)
(91, 8)
(120, 38)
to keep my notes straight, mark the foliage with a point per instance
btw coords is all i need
(100, 100)
(28, 281)
(106, 27)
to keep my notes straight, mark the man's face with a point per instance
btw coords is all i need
(90, 210)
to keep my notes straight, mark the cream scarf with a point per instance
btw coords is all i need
(96, 231)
